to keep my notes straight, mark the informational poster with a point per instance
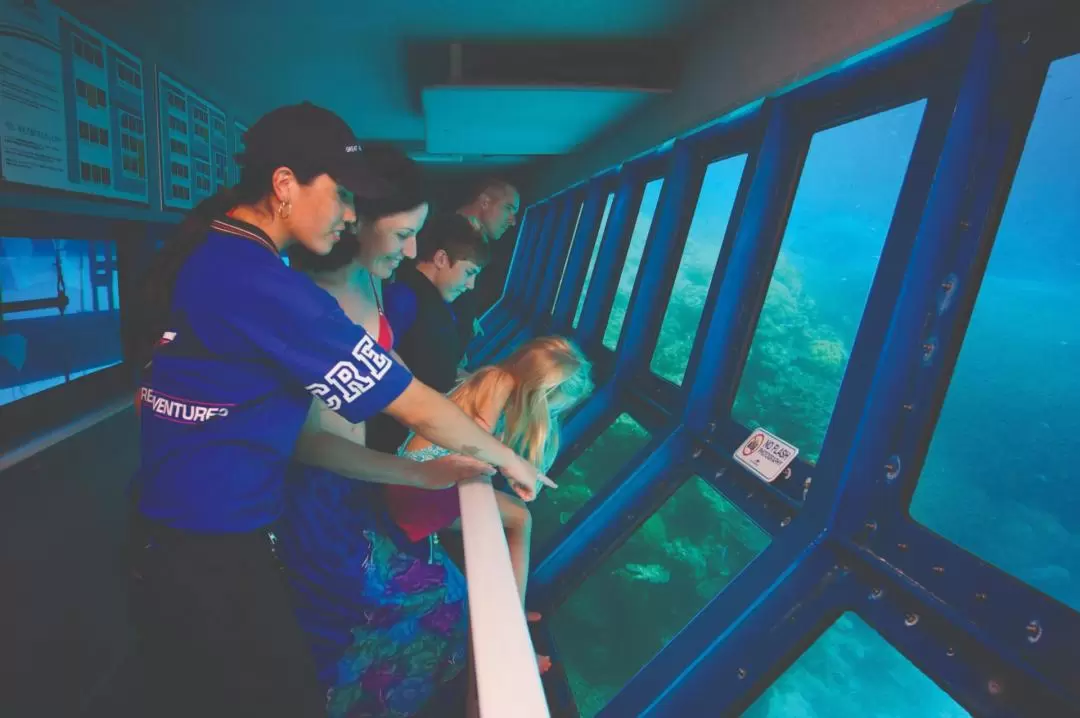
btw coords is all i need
(219, 149)
(239, 131)
(192, 137)
(72, 105)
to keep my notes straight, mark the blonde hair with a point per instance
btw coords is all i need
(551, 375)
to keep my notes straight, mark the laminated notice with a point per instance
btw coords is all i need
(765, 454)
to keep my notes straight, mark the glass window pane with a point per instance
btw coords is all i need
(852, 672)
(586, 475)
(45, 347)
(831, 248)
(649, 200)
(592, 259)
(650, 588)
(703, 243)
(562, 272)
(984, 485)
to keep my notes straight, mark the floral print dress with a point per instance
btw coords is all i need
(386, 618)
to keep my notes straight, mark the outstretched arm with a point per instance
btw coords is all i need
(330, 442)
(440, 421)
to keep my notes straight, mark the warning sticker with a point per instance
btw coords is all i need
(765, 454)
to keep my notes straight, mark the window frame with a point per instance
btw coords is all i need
(569, 287)
(843, 543)
(614, 247)
(663, 265)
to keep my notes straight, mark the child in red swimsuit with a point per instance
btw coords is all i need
(520, 400)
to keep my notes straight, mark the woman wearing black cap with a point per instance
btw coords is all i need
(235, 345)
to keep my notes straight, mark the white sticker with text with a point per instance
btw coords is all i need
(765, 455)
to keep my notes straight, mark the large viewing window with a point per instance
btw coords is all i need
(830, 252)
(588, 473)
(695, 273)
(62, 313)
(597, 241)
(998, 480)
(648, 589)
(630, 268)
(852, 672)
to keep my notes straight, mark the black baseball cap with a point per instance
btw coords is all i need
(314, 138)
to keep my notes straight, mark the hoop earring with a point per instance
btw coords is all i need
(284, 209)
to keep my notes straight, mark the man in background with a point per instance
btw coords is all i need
(493, 211)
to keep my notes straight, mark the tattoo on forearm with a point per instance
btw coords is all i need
(472, 451)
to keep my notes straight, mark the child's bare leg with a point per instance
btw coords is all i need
(518, 524)
(517, 521)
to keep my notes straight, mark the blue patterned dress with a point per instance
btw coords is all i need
(386, 618)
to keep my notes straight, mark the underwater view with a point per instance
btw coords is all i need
(1015, 387)
(45, 347)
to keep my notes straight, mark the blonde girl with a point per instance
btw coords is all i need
(520, 400)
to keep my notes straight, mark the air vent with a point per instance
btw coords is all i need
(528, 98)
(640, 64)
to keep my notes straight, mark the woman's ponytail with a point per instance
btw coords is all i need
(154, 299)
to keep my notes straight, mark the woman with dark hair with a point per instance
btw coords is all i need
(235, 345)
(351, 568)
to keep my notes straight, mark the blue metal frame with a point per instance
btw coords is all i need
(730, 327)
(506, 309)
(546, 274)
(517, 290)
(609, 260)
(659, 273)
(502, 310)
(670, 225)
(558, 258)
(577, 263)
(545, 250)
(843, 542)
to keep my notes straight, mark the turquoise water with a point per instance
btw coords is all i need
(852, 671)
(997, 478)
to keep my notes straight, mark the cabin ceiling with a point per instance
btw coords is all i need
(385, 66)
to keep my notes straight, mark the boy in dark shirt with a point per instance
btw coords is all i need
(450, 253)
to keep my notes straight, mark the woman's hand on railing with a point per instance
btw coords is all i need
(447, 471)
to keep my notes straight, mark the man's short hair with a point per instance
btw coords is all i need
(456, 236)
(490, 186)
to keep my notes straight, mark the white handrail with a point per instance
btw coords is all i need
(507, 677)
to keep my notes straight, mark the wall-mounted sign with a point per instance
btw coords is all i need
(239, 130)
(194, 153)
(72, 106)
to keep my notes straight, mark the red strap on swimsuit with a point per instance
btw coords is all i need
(386, 332)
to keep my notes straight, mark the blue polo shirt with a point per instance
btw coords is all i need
(250, 342)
